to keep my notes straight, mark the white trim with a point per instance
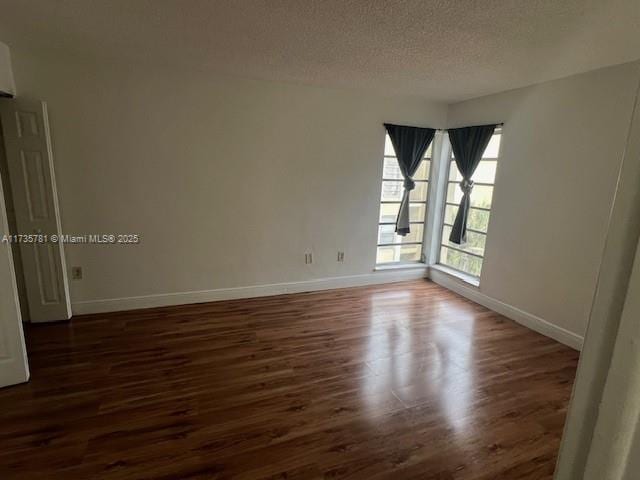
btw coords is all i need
(438, 275)
(526, 319)
(465, 277)
(182, 298)
(435, 207)
(385, 267)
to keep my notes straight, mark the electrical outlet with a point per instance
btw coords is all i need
(76, 273)
(308, 258)
(341, 256)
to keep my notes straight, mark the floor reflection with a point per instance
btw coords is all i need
(420, 351)
(406, 381)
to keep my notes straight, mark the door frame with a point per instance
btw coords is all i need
(40, 311)
(14, 366)
(582, 441)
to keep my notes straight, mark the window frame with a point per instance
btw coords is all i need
(425, 220)
(446, 162)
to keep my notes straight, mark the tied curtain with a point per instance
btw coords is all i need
(468, 144)
(410, 145)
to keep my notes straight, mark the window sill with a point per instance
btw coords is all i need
(400, 266)
(470, 279)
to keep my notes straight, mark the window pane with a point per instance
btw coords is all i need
(485, 172)
(450, 214)
(417, 212)
(478, 219)
(419, 194)
(454, 173)
(493, 149)
(388, 147)
(391, 170)
(399, 253)
(387, 234)
(461, 261)
(480, 195)
(423, 171)
(389, 212)
(475, 241)
(393, 191)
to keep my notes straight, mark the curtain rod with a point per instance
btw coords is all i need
(445, 129)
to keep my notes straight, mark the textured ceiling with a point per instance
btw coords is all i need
(443, 50)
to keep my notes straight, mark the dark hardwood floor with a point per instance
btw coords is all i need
(402, 381)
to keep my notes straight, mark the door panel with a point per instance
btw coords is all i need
(30, 162)
(34, 185)
(45, 259)
(27, 123)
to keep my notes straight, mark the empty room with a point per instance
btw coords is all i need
(319, 239)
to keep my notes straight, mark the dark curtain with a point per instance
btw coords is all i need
(410, 144)
(468, 145)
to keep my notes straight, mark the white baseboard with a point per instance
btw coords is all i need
(385, 276)
(520, 316)
(182, 298)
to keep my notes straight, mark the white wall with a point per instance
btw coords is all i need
(230, 181)
(227, 181)
(562, 146)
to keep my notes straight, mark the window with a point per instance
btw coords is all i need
(468, 257)
(392, 248)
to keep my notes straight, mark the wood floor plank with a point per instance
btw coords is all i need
(399, 381)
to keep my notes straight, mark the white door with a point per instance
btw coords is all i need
(28, 147)
(13, 355)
